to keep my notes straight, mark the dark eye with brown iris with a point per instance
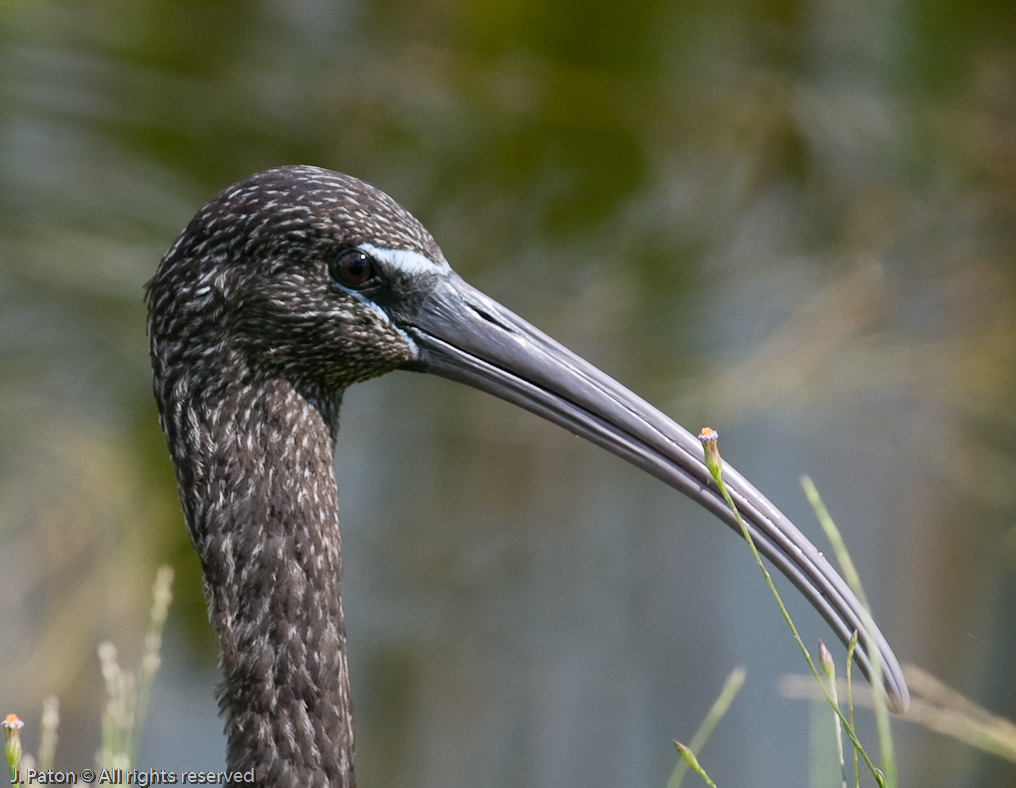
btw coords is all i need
(352, 268)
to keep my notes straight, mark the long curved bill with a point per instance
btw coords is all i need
(463, 335)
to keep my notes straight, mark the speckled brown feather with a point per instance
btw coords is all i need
(252, 345)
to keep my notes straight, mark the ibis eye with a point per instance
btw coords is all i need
(352, 268)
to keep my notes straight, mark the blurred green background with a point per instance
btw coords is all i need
(792, 221)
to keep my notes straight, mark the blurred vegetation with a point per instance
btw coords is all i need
(798, 212)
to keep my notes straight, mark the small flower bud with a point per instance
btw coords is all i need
(826, 660)
(12, 741)
(709, 438)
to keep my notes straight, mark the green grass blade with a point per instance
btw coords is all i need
(730, 689)
(853, 579)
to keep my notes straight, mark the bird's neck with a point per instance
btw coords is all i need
(257, 482)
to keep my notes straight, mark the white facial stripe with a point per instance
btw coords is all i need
(405, 260)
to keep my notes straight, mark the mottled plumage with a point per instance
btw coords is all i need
(252, 345)
(282, 291)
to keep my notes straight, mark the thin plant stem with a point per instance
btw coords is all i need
(128, 692)
(715, 465)
(829, 668)
(936, 707)
(150, 662)
(851, 647)
(853, 579)
(730, 689)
